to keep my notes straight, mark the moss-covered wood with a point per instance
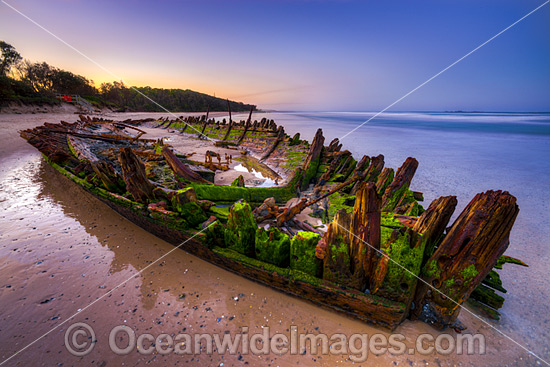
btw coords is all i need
(466, 255)
(302, 253)
(273, 247)
(241, 228)
(256, 195)
(396, 279)
(364, 234)
(311, 164)
(398, 189)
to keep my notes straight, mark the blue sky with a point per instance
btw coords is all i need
(302, 55)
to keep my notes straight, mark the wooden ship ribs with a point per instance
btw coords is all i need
(382, 257)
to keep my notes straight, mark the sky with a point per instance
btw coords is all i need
(309, 55)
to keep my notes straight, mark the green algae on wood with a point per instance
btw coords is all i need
(238, 182)
(313, 159)
(487, 296)
(220, 212)
(384, 180)
(302, 253)
(493, 280)
(214, 235)
(405, 248)
(336, 267)
(184, 201)
(237, 256)
(338, 201)
(241, 229)
(295, 140)
(478, 237)
(273, 247)
(230, 194)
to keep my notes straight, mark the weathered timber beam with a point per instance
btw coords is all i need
(117, 139)
(133, 173)
(278, 140)
(180, 169)
(246, 126)
(469, 251)
(433, 222)
(402, 180)
(205, 122)
(365, 234)
(384, 180)
(311, 163)
(371, 173)
(230, 125)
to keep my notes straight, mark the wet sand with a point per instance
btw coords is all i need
(61, 249)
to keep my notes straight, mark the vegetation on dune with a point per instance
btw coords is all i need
(38, 82)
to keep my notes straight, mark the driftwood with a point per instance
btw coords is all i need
(305, 226)
(466, 255)
(230, 125)
(280, 137)
(133, 172)
(246, 126)
(180, 169)
(141, 132)
(266, 210)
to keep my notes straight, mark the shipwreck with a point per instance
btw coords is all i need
(375, 253)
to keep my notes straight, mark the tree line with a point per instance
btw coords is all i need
(38, 82)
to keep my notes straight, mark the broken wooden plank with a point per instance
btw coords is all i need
(246, 126)
(133, 173)
(466, 255)
(311, 163)
(230, 125)
(365, 234)
(180, 169)
(278, 140)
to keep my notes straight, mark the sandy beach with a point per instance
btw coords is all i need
(61, 249)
